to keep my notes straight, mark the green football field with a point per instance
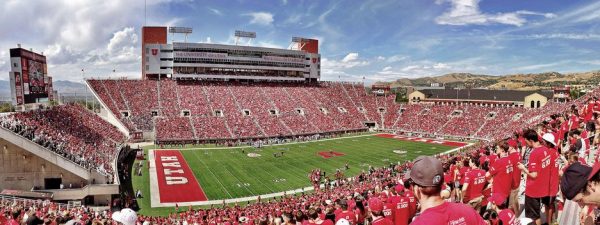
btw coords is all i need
(230, 173)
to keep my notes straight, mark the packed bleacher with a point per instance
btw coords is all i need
(488, 177)
(70, 131)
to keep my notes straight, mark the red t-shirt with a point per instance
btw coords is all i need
(361, 215)
(515, 158)
(508, 217)
(449, 213)
(502, 173)
(382, 221)
(574, 120)
(462, 172)
(476, 181)
(540, 162)
(387, 210)
(325, 222)
(554, 169)
(452, 173)
(348, 215)
(493, 158)
(412, 202)
(402, 211)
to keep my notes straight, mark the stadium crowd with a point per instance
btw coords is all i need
(551, 162)
(550, 154)
(71, 131)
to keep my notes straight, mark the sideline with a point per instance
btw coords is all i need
(155, 196)
(289, 143)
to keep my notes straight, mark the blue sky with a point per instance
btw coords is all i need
(375, 39)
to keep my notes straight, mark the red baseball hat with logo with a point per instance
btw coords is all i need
(375, 204)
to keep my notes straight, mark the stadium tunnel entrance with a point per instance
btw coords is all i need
(370, 124)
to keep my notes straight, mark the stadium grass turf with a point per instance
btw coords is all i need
(229, 173)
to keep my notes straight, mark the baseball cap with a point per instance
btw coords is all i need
(126, 216)
(399, 188)
(342, 222)
(513, 143)
(343, 202)
(375, 204)
(549, 138)
(497, 198)
(575, 178)
(426, 171)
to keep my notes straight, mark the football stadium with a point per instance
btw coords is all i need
(243, 134)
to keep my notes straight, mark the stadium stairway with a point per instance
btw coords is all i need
(239, 107)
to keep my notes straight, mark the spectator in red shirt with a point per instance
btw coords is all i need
(376, 207)
(473, 185)
(345, 213)
(500, 206)
(401, 210)
(538, 175)
(550, 143)
(515, 158)
(314, 218)
(501, 171)
(427, 176)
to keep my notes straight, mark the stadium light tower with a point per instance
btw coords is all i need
(297, 43)
(244, 34)
(180, 30)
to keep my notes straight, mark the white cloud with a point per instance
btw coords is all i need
(349, 61)
(122, 40)
(466, 12)
(537, 67)
(380, 58)
(268, 44)
(261, 18)
(570, 36)
(216, 11)
(350, 57)
(337, 69)
(396, 58)
(75, 34)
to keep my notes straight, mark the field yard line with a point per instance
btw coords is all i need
(215, 176)
(291, 143)
(287, 184)
(241, 182)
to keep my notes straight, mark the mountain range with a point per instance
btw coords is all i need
(531, 81)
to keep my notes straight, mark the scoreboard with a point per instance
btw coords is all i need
(29, 78)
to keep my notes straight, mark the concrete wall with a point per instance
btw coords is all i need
(22, 170)
(535, 97)
(106, 114)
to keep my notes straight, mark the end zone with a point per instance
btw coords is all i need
(171, 179)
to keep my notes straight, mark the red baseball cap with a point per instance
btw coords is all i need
(513, 143)
(399, 188)
(375, 204)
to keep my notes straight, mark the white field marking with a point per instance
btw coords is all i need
(154, 192)
(240, 181)
(215, 176)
